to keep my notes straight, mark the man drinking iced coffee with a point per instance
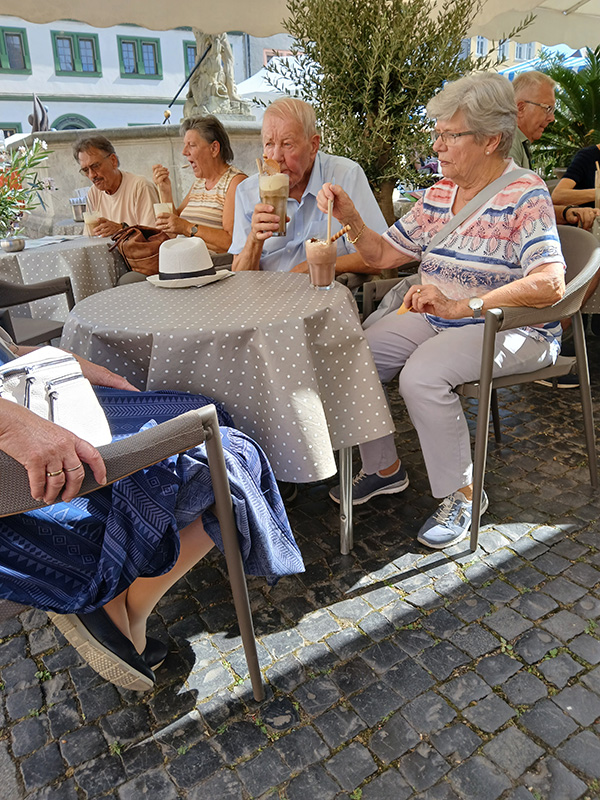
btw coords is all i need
(290, 138)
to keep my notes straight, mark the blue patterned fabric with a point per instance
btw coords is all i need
(74, 557)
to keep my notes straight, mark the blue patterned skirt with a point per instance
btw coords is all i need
(74, 557)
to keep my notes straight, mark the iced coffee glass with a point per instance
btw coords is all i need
(163, 208)
(274, 190)
(91, 219)
(321, 258)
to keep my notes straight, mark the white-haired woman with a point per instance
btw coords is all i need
(506, 252)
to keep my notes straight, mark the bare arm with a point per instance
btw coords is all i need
(263, 223)
(99, 376)
(376, 253)
(583, 217)
(542, 287)
(565, 194)
(350, 262)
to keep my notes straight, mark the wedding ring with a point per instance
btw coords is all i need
(54, 474)
(74, 469)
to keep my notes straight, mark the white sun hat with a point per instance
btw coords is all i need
(185, 262)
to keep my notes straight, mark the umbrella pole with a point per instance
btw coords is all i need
(186, 81)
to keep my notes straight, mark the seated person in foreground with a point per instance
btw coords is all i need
(100, 563)
(207, 209)
(121, 198)
(290, 138)
(507, 253)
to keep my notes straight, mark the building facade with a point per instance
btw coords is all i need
(104, 77)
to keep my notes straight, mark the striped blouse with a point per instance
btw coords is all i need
(205, 206)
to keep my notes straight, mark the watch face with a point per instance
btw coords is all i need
(476, 303)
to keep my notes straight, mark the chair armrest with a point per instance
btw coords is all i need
(121, 458)
(13, 294)
(516, 317)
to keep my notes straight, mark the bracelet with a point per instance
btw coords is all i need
(568, 208)
(359, 234)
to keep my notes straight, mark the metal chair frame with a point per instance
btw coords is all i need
(32, 331)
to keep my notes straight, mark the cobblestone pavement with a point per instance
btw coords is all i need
(394, 672)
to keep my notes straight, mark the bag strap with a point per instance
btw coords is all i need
(474, 205)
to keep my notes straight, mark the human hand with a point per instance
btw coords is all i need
(585, 217)
(106, 228)
(52, 456)
(264, 222)
(100, 376)
(160, 175)
(172, 224)
(429, 299)
(343, 208)
(301, 267)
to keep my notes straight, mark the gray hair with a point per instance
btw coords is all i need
(533, 79)
(488, 103)
(293, 108)
(86, 143)
(211, 130)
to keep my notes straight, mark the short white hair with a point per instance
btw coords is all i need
(532, 79)
(487, 101)
(293, 108)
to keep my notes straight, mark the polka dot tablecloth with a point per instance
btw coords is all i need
(88, 262)
(290, 363)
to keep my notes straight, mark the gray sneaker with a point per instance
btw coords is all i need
(364, 487)
(450, 522)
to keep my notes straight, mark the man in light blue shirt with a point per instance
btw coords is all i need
(290, 138)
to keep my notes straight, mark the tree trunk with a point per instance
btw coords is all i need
(383, 195)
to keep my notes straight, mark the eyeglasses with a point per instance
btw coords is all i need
(547, 109)
(447, 137)
(93, 167)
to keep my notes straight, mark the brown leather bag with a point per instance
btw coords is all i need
(139, 247)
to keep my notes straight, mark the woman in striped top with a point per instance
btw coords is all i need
(207, 210)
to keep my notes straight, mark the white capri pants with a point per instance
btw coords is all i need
(432, 365)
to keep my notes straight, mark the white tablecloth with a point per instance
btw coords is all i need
(87, 261)
(289, 362)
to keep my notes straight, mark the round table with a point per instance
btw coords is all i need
(289, 362)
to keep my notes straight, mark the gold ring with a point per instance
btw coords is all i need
(54, 474)
(74, 469)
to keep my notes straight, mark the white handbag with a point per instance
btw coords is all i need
(50, 383)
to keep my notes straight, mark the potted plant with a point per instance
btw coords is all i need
(20, 189)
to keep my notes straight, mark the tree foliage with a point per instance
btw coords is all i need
(369, 68)
(577, 116)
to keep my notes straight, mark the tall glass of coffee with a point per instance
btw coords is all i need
(321, 257)
(274, 191)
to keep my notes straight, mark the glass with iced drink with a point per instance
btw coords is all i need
(163, 208)
(274, 190)
(321, 257)
(91, 219)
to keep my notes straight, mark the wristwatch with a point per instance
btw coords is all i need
(476, 306)
(193, 230)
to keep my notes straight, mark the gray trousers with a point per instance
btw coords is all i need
(432, 365)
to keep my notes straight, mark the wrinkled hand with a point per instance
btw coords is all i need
(43, 447)
(301, 267)
(100, 376)
(429, 300)
(160, 175)
(585, 216)
(172, 224)
(264, 222)
(106, 228)
(343, 207)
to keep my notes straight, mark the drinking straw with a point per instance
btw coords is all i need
(259, 166)
(329, 210)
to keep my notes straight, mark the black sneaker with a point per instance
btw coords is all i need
(364, 487)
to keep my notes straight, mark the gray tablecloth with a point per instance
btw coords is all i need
(290, 363)
(87, 261)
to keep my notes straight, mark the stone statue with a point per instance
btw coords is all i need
(212, 88)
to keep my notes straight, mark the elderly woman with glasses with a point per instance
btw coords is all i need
(506, 252)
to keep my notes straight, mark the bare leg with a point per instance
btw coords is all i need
(131, 609)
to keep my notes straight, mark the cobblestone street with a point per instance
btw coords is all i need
(391, 673)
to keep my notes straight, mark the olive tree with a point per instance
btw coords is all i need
(369, 67)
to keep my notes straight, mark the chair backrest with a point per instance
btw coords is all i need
(14, 294)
